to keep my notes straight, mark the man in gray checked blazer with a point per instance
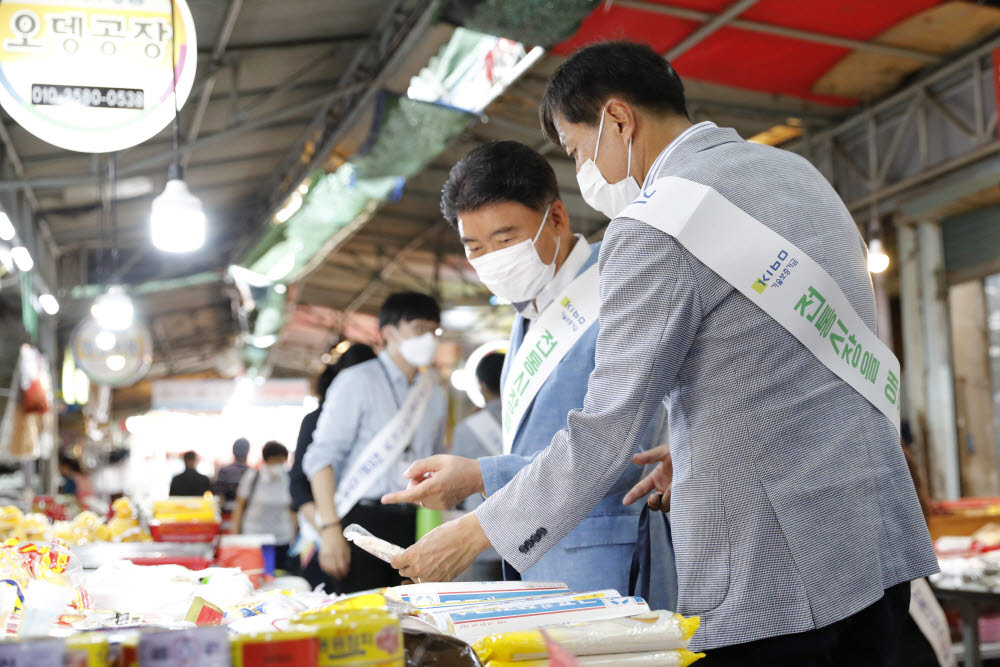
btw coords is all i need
(795, 522)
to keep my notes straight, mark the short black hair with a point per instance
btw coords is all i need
(497, 172)
(407, 306)
(355, 354)
(190, 456)
(489, 369)
(273, 449)
(634, 72)
(71, 463)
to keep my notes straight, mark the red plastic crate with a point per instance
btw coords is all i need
(183, 532)
(190, 562)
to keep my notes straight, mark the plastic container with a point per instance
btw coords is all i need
(87, 649)
(355, 637)
(183, 531)
(247, 552)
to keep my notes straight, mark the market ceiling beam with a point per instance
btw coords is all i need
(782, 31)
(221, 42)
(709, 28)
(324, 132)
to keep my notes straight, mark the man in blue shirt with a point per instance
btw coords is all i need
(503, 199)
(388, 404)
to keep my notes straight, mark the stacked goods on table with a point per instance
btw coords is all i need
(125, 614)
(184, 519)
(85, 528)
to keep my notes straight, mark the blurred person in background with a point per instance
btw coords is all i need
(378, 418)
(229, 476)
(75, 481)
(479, 435)
(301, 492)
(264, 503)
(190, 482)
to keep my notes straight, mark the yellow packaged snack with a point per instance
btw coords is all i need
(87, 649)
(675, 658)
(355, 637)
(274, 649)
(653, 631)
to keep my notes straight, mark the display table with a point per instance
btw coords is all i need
(193, 555)
(970, 605)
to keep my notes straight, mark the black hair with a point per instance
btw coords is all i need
(489, 369)
(273, 449)
(70, 463)
(634, 72)
(407, 306)
(497, 172)
(355, 354)
(190, 456)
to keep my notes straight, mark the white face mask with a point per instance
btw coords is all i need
(274, 470)
(419, 351)
(608, 198)
(517, 273)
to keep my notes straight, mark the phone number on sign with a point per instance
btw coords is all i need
(105, 98)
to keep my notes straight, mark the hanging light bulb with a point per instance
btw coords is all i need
(113, 310)
(878, 261)
(177, 219)
(105, 340)
(22, 258)
(49, 303)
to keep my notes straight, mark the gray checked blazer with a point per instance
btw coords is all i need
(792, 505)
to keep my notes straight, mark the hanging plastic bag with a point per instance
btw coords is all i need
(36, 381)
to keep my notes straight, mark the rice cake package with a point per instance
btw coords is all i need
(463, 592)
(440, 610)
(678, 658)
(655, 631)
(528, 615)
(376, 546)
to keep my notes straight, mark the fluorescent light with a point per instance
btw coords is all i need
(113, 310)
(7, 232)
(264, 341)
(303, 188)
(878, 261)
(105, 340)
(280, 288)
(290, 208)
(49, 303)
(22, 258)
(115, 362)
(177, 219)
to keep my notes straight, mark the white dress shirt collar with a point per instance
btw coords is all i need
(569, 270)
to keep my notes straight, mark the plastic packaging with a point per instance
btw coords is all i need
(463, 592)
(374, 545)
(33, 653)
(358, 637)
(530, 614)
(655, 631)
(434, 613)
(427, 647)
(678, 658)
(205, 647)
(87, 649)
(43, 603)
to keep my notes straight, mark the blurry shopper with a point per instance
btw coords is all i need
(190, 482)
(264, 504)
(301, 491)
(378, 418)
(229, 476)
(503, 200)
(75, 481)
(481, 435)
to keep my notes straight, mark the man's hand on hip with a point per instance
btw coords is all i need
(445, 552)
(660, 479)
(439, 482)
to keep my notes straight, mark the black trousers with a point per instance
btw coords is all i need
(868, 638)
(394, 523)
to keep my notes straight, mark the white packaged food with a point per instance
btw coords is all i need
(423, 595)
(374, 545)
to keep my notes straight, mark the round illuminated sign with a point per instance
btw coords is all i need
(115, 358)
(94, 75)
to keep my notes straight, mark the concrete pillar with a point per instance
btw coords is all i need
(940, 409)
(914, 375)
(977, 436)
